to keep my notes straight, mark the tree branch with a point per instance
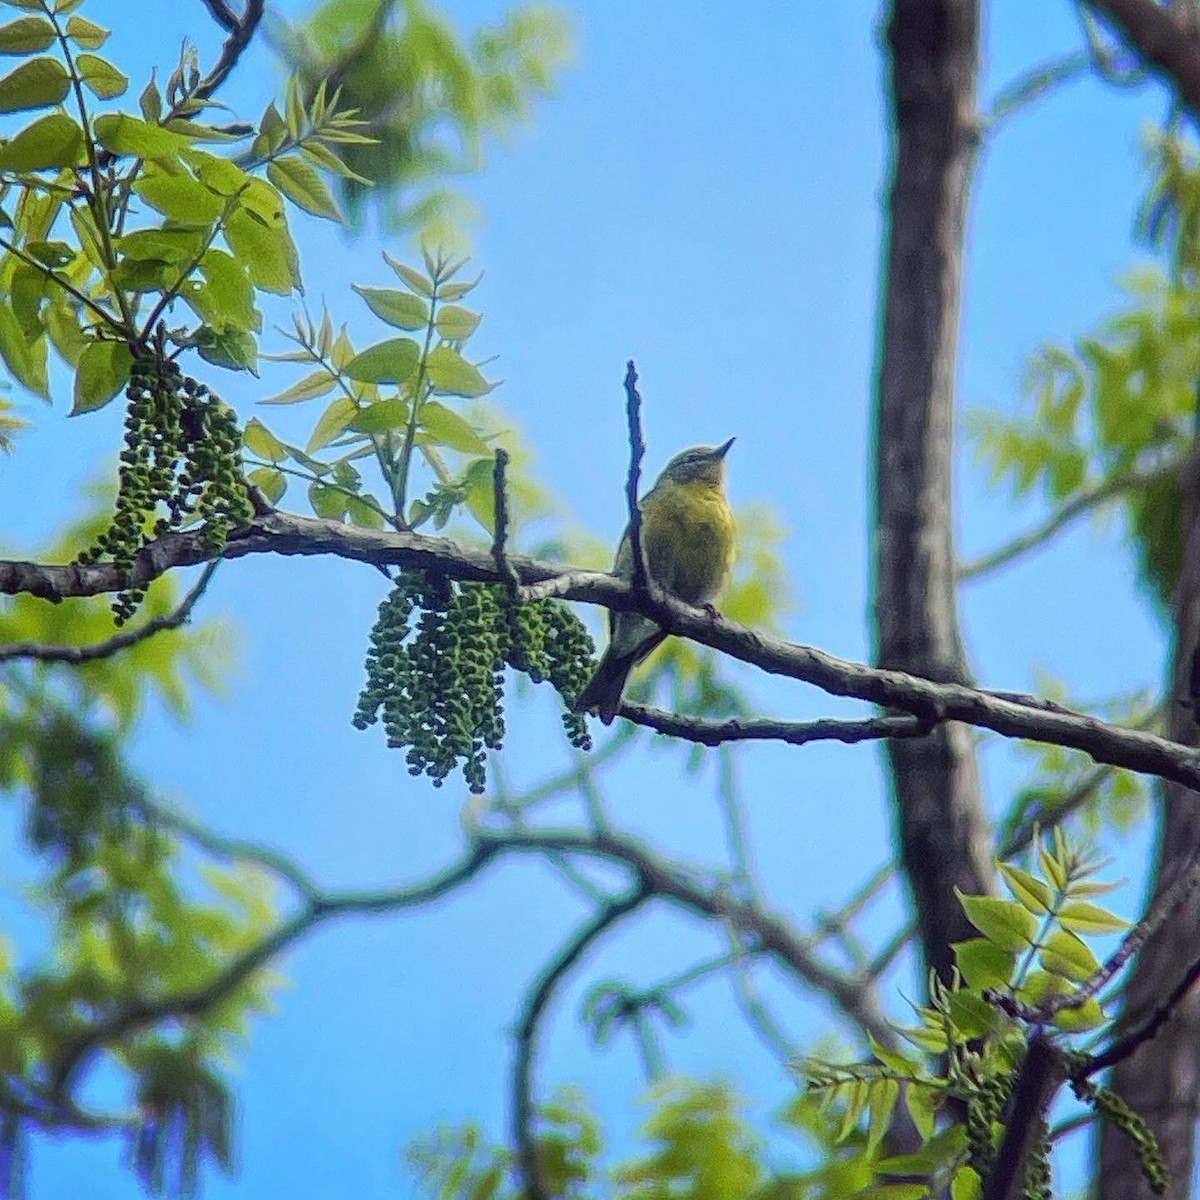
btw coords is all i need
(1084, 502)
(281, 533)
(241, 31)
(118, 642)
(637, 451)
(707, 732)
(524, 1109)
(1165, 37)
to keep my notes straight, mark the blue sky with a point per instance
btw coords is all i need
(704, 195)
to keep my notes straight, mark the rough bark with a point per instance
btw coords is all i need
(934, 60)
(1162, 1080)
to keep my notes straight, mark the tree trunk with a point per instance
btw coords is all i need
(1162, 1080)
(934, 47)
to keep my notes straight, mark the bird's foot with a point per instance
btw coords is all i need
(712, 610)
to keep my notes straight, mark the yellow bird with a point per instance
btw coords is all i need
(688, 542)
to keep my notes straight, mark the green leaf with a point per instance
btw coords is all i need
(223, 295)
(222, 176)
(55, 140)
(1031, 891)
(984, 964)
(38, 83)
(229, 347)
(1052, 867)
(452, 375)
(1067, 955)
(966, 1185)
(86, 34)
(971, 1014)
(125, 134)
(176, 246)
(151, 103)
(1089, 1015)
(415, 280)
(859, 1092)
(333, 420)
(271, 482)
(892, 1059)
(24, 358)
(400, 309)
(363, 513)
(382, 416)
(302, 184)
(328, 502)
(1009, 925)
(319, 383)
(392, 361)
(456, 323)
(258, 439)
(922, 1105)
(179, 197)
(102, 372)
(101, 77)
(884, 1094)
(26, 35)
(268, 253)
(51, 254)
(62, 325)
(444, 427)
(1081, 917)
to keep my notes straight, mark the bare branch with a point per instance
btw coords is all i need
(637, 451)
(1039, 1077)
(707, 732)
(1124, 1047)
(140, 1014)
(524, 1108)
(1085, 502)
(1033, 85)
(118, 642)
(1166, 37)
(499, 541)
(233, 849)
(241, 32)
(925, 699)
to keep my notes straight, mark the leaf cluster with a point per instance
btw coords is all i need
(1030, 973)
(391, 406)
(427, 98)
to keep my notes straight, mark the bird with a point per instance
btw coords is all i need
(688, 543)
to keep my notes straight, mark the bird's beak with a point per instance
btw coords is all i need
(723, 449)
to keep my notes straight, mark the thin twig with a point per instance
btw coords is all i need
(1123, 1047)
(1033, 85)
(637, 451)
(524, 1107)
(241, 32)
(706, 732)
(500, 498)
(1080, 504)
(119, 641)
(1161, 909)
(235, 849)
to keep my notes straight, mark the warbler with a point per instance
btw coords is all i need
(688, 543)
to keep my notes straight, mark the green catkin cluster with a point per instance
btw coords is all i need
(182, 456)
(1039, 1178)
(439, 686)
(983, 1110)
(1133, 1125)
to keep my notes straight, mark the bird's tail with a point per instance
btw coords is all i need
(604, 690)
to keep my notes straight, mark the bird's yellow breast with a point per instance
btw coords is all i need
(688, 533)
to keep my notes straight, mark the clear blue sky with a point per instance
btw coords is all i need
(703, 194)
